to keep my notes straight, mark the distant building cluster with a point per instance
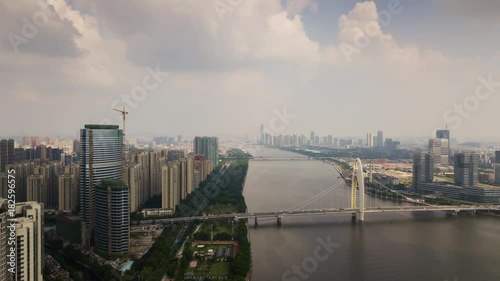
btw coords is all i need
(87, 177)
(302, 140)
(53, 183)
(465, 185)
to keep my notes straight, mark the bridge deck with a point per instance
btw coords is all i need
(329, 212)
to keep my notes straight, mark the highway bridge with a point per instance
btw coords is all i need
(320, 205)
(349, 211)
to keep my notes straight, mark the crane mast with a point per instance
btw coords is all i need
(124, 160)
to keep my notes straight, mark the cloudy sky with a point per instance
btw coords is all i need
(226, 66)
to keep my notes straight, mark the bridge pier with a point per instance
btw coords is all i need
(256, 222)
(362, 216)
(353, 218)
(278, 219)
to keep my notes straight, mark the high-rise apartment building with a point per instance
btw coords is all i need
(135, 184)
(155, 163)
(141, 158)
(112, 218)
(208, 146)
(4, 185)
(183, 178)
(175, 155)
(35, 141)
(423, 168)
(4, 274)
(100, 158)
(49, 173)
(26, 142)
(36, 189)
(466, 169)
(190, 174)
(171, 185)
(67, 193)
(30, 244)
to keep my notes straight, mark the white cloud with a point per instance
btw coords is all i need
(294, 7)
(226, 73)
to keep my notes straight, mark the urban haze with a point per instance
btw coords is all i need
(249, 140)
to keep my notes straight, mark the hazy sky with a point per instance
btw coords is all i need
(336, 67)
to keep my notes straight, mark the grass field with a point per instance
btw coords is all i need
(218, 227)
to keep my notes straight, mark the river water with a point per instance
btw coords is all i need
(413, 247)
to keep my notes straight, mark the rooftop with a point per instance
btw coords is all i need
(101, 127)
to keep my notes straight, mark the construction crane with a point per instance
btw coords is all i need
(124, 161)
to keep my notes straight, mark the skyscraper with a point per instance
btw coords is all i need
(423, 168)
(313, 138)
(369, 140)
(76, 146)
(112, 218)
(208, 146)
(497, 167)
(100, 158)
(439, 148)
(445, 134)
(6, 154)
(380, 139)
(466, 169)
(41, 152)
(261, 134)
(3, 155)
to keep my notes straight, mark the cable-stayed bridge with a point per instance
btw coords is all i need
(334, 200)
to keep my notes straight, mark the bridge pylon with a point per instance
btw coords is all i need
(358, 180)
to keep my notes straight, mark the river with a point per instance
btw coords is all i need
(413, 247)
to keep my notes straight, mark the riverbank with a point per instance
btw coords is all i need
(377, 249)
(249, 275)
(206, 251)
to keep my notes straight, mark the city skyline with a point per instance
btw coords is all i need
(249, 140)
(413, 79)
